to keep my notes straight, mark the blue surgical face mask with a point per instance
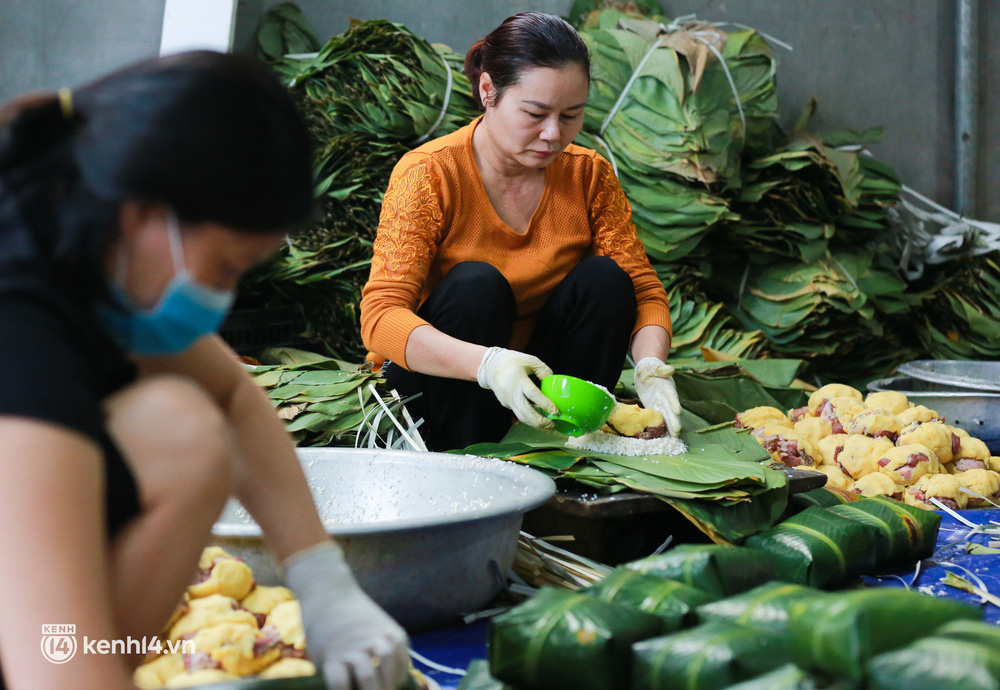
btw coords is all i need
(185, 312)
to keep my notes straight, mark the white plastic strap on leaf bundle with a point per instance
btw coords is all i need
(628, 84)
(444, 108)
(957, 234)
(935, 234)
(692, 18)
(611, 155)
(709, 39)
(847, 273)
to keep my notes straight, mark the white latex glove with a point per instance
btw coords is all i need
(508, 374)
(655, 385)
(353, 642)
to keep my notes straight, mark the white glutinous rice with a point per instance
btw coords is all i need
(603, 442)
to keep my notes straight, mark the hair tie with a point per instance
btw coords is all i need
(66, 102)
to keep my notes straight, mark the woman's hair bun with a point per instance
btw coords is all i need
(523, 42)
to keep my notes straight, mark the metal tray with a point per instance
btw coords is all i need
(430, 536)
(977, 412)
(975, 375)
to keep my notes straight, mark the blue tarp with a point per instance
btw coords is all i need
(951, 556)
(457, 646)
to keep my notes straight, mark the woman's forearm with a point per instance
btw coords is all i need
(651, 341)
(268, 476)
(431, 352)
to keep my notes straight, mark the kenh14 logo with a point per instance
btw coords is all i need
(59, 642)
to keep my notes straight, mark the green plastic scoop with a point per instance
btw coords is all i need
(583, 406)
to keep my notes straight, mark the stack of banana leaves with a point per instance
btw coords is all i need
(326, 402)
(807, 195)
(369, 96)
(817, 277)
(845, 312)
(680, 113)
(960, 315)
(662, 108)
(698, 322)
(723, 483)
(801, 219)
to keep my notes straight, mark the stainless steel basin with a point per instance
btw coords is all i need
(976, 375)
(430, 536)
(977, 412)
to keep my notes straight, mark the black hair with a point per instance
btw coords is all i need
(522, 42)
(214, 136)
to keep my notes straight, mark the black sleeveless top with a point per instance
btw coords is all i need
(57, 363)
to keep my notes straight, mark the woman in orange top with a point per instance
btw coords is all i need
(504, 249)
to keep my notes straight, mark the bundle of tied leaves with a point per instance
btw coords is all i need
(673, 106)
(369, 96)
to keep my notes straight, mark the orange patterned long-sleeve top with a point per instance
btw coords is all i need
(436, 214)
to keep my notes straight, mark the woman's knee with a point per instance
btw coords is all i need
(174, 437)
(474, 302)
(604, 275)
(478, 282)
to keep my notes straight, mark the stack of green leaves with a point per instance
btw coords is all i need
(325, 402)
(680, 113)
(719, 466)
(370, 95)
(283, 30)
(670, 216)
(808, 195)
(714, 481)
(831, 312)
(699, 322)
(959, 317)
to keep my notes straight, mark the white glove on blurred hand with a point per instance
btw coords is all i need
(655, 385)
(508, 374)
(353, 642)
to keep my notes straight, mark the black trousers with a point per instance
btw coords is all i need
(583, 331)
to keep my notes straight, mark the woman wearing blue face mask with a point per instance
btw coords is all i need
(129, 209)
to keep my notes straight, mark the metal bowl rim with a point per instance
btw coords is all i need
(914, 370)
(878, 386)
(539, 489)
